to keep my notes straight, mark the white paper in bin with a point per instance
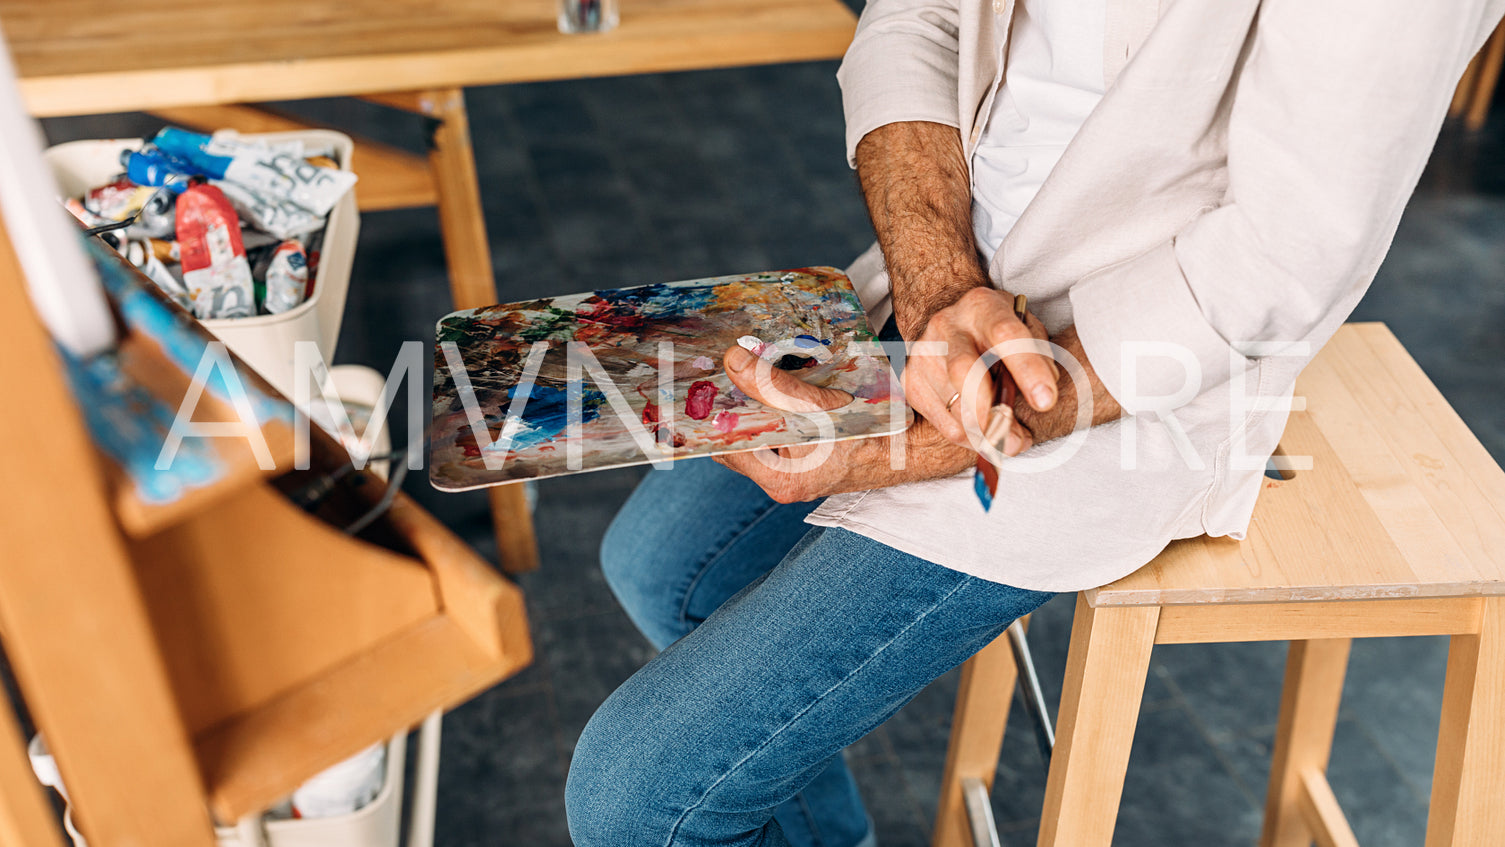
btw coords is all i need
(264, 341)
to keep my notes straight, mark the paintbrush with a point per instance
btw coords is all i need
(1000, 421)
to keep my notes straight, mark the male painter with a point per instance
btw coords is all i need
(1192, 195)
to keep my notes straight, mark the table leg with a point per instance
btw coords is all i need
(1105, 675)
(468, 254)
(977, 725)
(1304, 737)
(1468, 794)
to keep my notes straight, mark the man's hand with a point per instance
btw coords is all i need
(791, 474)
(945, 379)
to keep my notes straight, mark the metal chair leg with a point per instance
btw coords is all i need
(1029, 690)
(980, 813)
(974, 791)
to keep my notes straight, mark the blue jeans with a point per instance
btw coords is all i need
(782, 643)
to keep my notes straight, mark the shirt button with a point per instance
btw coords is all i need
(998, 6)
(976, 133)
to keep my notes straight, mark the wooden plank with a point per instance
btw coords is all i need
(76, 630)
(487, 608)
(1462, 488)
(1214, 623)
(253, 597)
(84, 56)
(1468, 800)
(1105, 674)
(1309, 702)
(977, 727)
(406, 101)
(390, 178)
(26, 820)
(252, 760)
(1323, 814)
(1402, 500)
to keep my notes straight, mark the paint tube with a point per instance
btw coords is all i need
(165, 251)
(75, 207)
(286, 277)
(214, 259)
(345, 788)
(150, 166)
(144, 255)
(280, 218)
(313, 247)
(275, 173)
(158, 218)
(118, 199)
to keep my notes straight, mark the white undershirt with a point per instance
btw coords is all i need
(1053, 79)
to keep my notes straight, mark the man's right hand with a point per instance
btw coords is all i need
(946, 379)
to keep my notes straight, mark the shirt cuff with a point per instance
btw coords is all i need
(884, 87)
(1146, 336)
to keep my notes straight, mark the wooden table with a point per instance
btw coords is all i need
(195, 63)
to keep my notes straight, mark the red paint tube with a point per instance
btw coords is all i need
(214, 258)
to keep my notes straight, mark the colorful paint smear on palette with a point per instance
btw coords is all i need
(693, 411)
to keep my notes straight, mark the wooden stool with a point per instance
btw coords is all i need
(1476, 88)
(1398, 528)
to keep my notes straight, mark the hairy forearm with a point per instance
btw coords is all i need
(1061, 419)
(915, 180)
(927, 455)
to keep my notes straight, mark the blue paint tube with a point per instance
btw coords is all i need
(278, 173)
(149, 166)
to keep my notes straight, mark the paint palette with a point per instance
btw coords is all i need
(631, 376)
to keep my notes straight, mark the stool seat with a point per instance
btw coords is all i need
(1390, 522)
(1399, 499)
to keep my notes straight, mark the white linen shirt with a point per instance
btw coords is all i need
(1052, 82)
(1211, 224)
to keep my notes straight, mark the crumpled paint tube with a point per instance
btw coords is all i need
(215, 269)
(277, 174)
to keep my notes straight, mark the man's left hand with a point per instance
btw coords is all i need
(796, 473)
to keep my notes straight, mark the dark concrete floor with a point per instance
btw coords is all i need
(624, 181)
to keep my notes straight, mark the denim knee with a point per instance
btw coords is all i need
(605, 801)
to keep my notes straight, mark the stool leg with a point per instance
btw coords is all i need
(982, 709)
(1308, 714)
(1463, 95)
(1105, 674)
(1493, 57)
(1468, 791)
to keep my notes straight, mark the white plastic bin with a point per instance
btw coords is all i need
(264, 341)
(376, 824)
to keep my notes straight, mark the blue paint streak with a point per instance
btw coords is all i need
(130, 425)
(545, 412)
(660, 300)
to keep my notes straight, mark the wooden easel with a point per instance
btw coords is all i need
(210, 654)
